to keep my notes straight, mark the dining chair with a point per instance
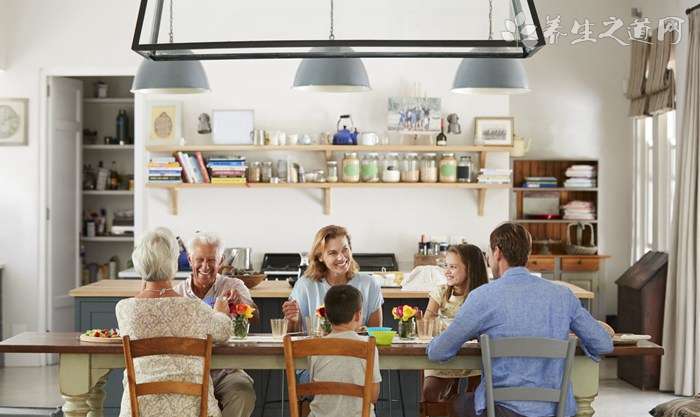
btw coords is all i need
(167, 346)
(297, 349)
(526, 347)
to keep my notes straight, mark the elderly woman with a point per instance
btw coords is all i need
(233, 388)
(331, 263)
(159, 311)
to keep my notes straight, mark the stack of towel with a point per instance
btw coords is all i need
(494, 176)
(579, 210)
(581, 176)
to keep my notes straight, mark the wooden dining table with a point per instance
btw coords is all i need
(83, 367)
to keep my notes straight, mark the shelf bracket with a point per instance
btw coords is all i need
(326, 201)
(173, 201)
(481, 196)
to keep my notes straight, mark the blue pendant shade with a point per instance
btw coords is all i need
(170, 77)
(490, 76)
(331, 75)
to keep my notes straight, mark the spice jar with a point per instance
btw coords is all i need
(332, 168)
(464, 169)
(351, 167)
(369, 168)
(390, 168)
(255, 172)
(410, 171)
(448, 168)
(266, 171)
(428, 168)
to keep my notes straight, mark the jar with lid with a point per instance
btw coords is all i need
(428, 168)
(332, 168)
(464, 169)
(448, 168)
(390, 168)
(410, 170)
(369, 168)
(351, 167)
(266, 171)
(255, 172)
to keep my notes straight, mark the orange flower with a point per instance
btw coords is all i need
(242, 310)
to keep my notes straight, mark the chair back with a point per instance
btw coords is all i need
(295, 349)
(526, 347)
(167, 346)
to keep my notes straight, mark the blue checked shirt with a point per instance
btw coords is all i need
(522, 304)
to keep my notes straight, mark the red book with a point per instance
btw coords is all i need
(181, 161)
(202, 166)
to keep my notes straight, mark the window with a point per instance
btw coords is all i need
(655, 177)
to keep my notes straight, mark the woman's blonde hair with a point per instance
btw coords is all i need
(155, 256)
(317, 269)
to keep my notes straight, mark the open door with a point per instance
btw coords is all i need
(63, 211)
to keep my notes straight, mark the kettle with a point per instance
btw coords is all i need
(344, 136)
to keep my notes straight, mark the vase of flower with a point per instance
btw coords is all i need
(241, 314)
(324, 326)
(406, 316)
(240, 327)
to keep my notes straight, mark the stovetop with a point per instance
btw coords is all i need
(286, 265)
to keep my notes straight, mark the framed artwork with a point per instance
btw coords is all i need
(494, 131)
(414, 114)
(13, 121)
(165, 123)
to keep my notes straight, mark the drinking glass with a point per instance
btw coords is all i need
(279, 327)
(312, 326)
(426, 328)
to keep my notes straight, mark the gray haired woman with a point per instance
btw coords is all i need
(158, 311)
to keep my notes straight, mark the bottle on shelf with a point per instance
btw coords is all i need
(122, 126)
(441, 139)
(113, 177)
(102, 177)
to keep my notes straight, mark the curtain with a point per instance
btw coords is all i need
(680, 365)
(660, 85)
(637, 77)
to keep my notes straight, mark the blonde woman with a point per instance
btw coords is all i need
(331, 263)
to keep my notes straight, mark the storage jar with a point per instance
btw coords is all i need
(448, 168)
(428, 168)
(410, 171)
(369, 168)
(351, 167)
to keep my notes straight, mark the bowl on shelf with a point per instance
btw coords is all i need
(383, 337)
(250, 279)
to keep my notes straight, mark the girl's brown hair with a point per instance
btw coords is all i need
(317, 269)
(473, 259)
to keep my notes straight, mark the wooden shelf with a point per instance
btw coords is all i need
(557, 221)
(111, 100)
(107, 239)
(108, 192)
(108, 147)
(564, 189)
(327, 148)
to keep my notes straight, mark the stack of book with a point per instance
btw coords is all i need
(227, 169)
(193, 168)
(581, 176)
(164, 170)
(494, 176)
(540, 182)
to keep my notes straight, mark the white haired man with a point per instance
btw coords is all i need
(233, 388)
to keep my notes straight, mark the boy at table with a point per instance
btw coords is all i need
(518, 304)
(344, 310)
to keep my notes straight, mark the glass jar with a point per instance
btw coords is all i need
(332, 168)
(351, 167)
(464, 169)
(266, 171)
(448, 168)
(428, 168)
(255, 172)
(410, 171)
(369, 168)
(390, 168)
(407, 329)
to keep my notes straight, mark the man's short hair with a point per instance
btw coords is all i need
(514, 241)
(342, 302)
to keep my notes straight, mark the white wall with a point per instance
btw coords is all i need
(584, 114)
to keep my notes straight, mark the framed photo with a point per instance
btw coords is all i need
(232, 127)
(414, 114)
(13, 121)
(165, 123)
(494, 131)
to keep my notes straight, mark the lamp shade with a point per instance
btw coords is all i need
(170, 77)
(490, 76)
(331, 75)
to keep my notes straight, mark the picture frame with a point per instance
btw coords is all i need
(232, 126)
(164, 122)
(414, 114)
(494, 131)
(13, 121)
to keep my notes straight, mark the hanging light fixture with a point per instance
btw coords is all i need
(490, 76)
(332, 75)
(169, 77)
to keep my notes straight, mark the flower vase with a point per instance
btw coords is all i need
(407, 329)
(240, 328)
(325, 326)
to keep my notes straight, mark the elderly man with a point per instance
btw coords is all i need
(233, 388)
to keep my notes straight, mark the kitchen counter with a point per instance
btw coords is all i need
(123, 288)
(132, 274)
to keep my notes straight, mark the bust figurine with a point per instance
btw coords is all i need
(203, 125)
(453, 126)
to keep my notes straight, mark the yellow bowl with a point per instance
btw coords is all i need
(384, 337)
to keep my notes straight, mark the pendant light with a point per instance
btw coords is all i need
(490, 75)
(170, 77)
(332, 75)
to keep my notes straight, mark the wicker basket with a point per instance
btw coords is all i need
(579, 248)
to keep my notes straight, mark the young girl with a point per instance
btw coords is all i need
(465, 271)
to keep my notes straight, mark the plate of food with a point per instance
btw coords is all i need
(101, 336)
(629, 339)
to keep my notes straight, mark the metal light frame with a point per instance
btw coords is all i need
(188, 51)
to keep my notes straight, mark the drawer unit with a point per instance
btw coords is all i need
(580, 264)
(541, 264)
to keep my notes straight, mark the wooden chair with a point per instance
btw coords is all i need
(442, 408)
(167, 346)
(328, 347)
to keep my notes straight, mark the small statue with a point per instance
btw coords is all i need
(204, 125)
(453, 126)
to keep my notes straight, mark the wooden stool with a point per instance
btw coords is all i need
(442, 408)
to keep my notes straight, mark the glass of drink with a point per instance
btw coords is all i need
(426, 328)
(279, 327)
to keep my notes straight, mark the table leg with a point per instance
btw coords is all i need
(75, 405)
(96, 398)
(585, 380)
(81, 387)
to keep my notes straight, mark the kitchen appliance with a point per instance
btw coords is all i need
(281, 266)
(344, 136)
(376, 262)
(237, 259)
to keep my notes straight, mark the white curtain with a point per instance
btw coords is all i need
(680, 366)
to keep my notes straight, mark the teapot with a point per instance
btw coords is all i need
(344, 136)
(369, 139)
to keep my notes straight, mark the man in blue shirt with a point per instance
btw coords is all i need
(519, 304)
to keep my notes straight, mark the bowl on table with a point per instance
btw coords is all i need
(383, 337)
(250, 280)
